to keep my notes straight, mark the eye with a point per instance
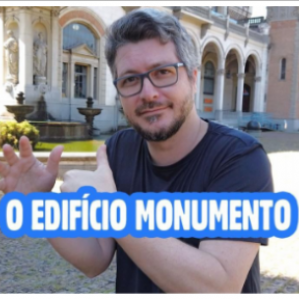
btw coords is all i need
(163, 72)
(129, 81)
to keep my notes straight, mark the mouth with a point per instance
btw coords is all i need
(152, 111)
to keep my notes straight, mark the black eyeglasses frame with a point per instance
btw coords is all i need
(146, 75)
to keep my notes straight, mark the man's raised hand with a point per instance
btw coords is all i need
(25, 173)
(101, 179)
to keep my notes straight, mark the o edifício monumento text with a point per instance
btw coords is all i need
(87, 213)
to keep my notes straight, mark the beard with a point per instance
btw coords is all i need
(164, 133)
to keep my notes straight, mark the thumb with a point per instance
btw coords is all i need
(54, 159)
(102, 158)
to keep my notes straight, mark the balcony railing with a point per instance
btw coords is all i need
(201, 11)
(220, 21)
(252, 21)
(240, 12)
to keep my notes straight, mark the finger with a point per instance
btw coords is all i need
(102, 158)
(10, 155)
(4, 169)
(2, 185)
(25, 147)
(54, 159)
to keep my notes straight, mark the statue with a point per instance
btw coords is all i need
(12, 57)
(40, 49)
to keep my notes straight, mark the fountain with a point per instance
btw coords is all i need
(41, 114)
(20, 110)
(52, 130)
(89, 114)
(49, 129)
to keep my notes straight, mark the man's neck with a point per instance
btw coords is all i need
(181, 144)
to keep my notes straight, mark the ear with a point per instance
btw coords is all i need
(194, 80)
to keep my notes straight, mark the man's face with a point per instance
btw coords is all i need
(156, 113)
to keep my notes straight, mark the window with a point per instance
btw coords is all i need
(64, 79)
(80, 81)
(75, 35)
(209, 74)
(283, 69)
(95, 82)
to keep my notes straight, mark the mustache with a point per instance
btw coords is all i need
(151, 105)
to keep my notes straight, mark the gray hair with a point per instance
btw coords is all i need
(145, 24)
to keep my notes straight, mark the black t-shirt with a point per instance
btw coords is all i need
(225, 160)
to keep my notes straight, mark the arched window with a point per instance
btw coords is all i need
(80, 62)
(75, 35)
(283, 64)
(209, 75)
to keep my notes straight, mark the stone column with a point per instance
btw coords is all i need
(99, 86)
(90, 83)
(218, 106)
(2, 60)
(25, 49)
(264, 81)
(240, 91)
(54, 67)
(105, 94)
(219, 89)
(198, 104)
(257, 95)
(71, 77)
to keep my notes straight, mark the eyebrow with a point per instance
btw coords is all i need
(134, 72)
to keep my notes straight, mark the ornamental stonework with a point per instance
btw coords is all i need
(56, 12)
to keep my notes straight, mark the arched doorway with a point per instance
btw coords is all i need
(246, 106)
(249, 84)
(231, 81)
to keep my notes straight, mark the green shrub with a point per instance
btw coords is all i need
(11, 132)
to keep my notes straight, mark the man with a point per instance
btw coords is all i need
(171, 149)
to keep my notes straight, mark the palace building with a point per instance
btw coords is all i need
(59, 51)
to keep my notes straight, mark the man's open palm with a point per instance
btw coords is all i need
(25, 173)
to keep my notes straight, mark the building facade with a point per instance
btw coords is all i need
(283, 66)
(60, 51)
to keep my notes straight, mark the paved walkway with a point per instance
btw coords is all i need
(32, 266)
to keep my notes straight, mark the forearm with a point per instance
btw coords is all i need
(89, 255)
(177, 267)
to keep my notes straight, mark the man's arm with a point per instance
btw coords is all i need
(217, 266)
(89, 255)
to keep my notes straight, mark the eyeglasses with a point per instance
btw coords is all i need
(162, 76)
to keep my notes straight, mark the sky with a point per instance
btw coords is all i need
(259, 11)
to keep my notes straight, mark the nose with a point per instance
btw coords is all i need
(149, 92)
